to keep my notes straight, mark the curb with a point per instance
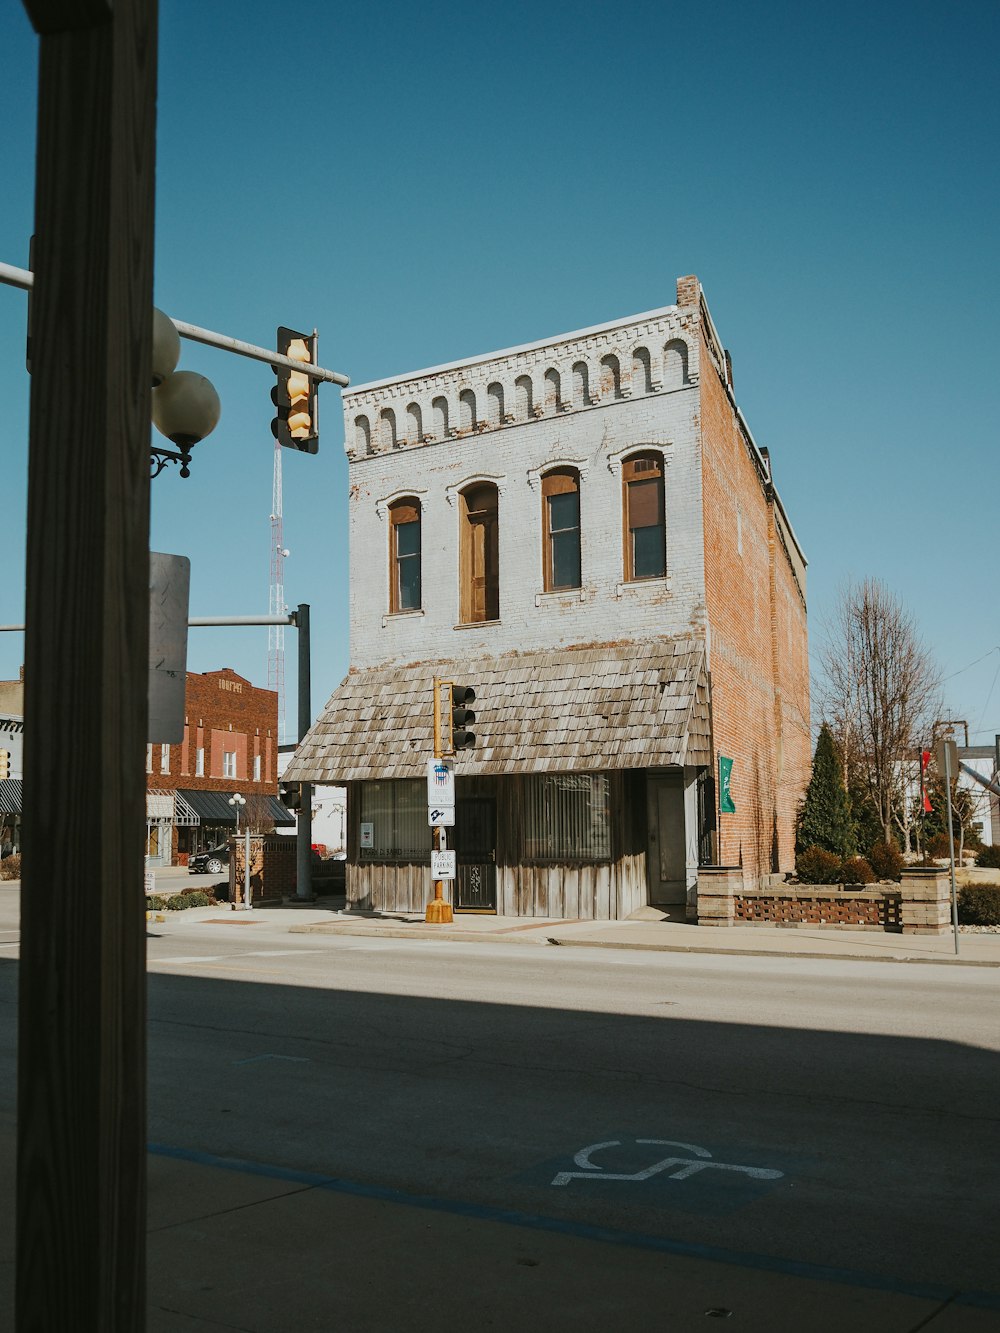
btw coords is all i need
(486, 937)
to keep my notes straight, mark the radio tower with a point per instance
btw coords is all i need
(276, 601)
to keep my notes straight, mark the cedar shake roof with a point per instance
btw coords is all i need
(621, 705)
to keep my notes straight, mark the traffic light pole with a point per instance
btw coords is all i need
(439, 911)
(303, 850)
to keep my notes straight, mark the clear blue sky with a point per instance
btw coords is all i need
(425, 182)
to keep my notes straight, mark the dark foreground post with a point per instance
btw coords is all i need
(81, 1176)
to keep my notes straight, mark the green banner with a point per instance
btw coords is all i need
(726, 804)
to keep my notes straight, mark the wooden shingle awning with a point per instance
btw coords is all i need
(591, 708)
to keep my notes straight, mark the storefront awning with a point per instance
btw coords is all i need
(592, 708)
(212, 807)
(10, 796)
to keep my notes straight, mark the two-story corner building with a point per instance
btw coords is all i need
(230, 745)
(583, 530)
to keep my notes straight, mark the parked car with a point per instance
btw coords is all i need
(212, 862)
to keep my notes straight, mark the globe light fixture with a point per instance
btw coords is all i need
(166, 347)
(186, 408)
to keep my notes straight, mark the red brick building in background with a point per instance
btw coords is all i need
(230, 745)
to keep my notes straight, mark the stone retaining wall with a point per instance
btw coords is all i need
(919, 905)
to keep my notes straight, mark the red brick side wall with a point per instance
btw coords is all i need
(758, 644)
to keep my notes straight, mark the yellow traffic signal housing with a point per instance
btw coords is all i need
(297, 424)
(4, 763)
(453, 716)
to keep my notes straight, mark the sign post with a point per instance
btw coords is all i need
(946, 756)
(440, 815)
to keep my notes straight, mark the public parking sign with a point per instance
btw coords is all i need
(442, 865)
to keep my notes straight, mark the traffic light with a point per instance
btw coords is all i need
(4, 763)
(297, 424)
(462, 718)
(290, 794)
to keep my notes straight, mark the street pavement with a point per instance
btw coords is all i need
(382, 1132)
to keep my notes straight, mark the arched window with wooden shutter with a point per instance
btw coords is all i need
(561, 529)
(404, 555)
(479, 554)
(644, 531)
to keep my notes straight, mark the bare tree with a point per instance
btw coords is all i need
(258, 814)
(881, 691)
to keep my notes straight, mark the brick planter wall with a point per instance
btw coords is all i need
(919, 905)
(273, 880)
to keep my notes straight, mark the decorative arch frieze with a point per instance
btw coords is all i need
(661, 447)
(535, 474)
(497, 479)
(384, 504)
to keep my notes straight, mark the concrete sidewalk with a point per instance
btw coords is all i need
(659, 933)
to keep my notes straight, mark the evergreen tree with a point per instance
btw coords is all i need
(825, 817)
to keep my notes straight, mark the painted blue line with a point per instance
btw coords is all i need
(987, 1300)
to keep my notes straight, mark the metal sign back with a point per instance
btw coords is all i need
(169, 583)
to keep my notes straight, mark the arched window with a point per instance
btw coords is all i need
(611, 377)
(524, 399)
(479, 554)
(561, 528)
(642, 374)
(404, 555)
(414, 423)
(363, 434)
(553, 391)
(439, 413)
(467, 410)
(644, 528)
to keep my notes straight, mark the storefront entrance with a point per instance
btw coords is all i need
(474, 838)
(665, 857)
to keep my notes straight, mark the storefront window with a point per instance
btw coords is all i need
(394, 821)
(567, 817)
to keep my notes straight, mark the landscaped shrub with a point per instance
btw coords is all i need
(937, 846)
(886, 860)
(155, 902)
(181, 901)
(207, 894)
(979, 905)
(817, 866)
(987, 857)
(856, 870)
(10, 866)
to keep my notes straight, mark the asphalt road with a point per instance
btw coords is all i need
(771, 1111)
(849, 1110)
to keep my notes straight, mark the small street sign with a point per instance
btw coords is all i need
(441, 816)
(442, 865)
(440, 782)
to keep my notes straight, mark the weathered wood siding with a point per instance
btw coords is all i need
(599, 891)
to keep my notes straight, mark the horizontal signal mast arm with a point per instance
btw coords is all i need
(25, 279)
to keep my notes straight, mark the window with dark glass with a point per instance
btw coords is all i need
(566, 817)
(404, 537)
(479, 555)
(561, 523)
(395, 815)
(645, 537)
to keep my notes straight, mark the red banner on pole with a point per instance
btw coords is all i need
(925, 800)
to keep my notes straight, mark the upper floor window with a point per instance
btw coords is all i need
(228, 763)
(644, 529)
(479, 554)
(404, 555)
(149, 758)
(256, 768)
(561, 528)
(199, 762)
(165, 759)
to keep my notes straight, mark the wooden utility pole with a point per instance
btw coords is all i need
(81, 1171)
